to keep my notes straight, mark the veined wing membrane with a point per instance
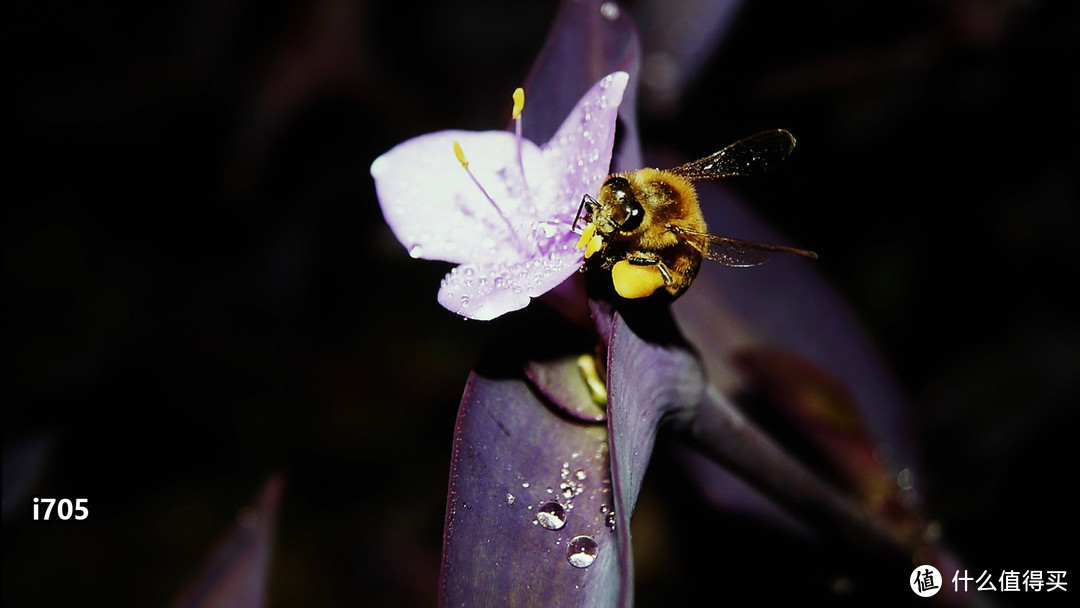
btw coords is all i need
(738, 253)
(749, 156)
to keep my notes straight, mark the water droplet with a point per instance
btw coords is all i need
(548, 229)
(580, 474)
(932, 533)
(906, 479)
(416, 251)
(524, 484)
(509, 498)
(609, 11)
(581, 551)
(551, 515)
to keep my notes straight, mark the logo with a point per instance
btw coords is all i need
(925, 581)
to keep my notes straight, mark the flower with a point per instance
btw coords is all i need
(505, 214)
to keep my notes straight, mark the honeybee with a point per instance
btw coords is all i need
(646, 226)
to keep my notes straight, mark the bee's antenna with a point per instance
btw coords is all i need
(580, 208)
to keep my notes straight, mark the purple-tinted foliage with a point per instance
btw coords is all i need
(518, 468)
(786, 306)
(651, 375)
(528, 435)
(234, 574)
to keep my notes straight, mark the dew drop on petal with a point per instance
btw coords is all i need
(581, 551)
(609, 11)
(509, 498)
(551, 515)
(416, 251)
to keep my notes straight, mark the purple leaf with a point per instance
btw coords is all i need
(648, 379)
(722, 432)
(524, 482)
(234, 575)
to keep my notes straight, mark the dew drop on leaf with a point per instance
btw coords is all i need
(581, 551)
(551, 515)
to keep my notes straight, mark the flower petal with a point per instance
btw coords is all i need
(487, 290)
(580, 151)
(439, 213)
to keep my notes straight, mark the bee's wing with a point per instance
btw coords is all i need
(749, 156)
(739, 253)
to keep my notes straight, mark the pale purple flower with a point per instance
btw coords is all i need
(507, 224)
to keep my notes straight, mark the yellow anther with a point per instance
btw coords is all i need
(586, 234)
(460, 154)
(594, 245)
(519, 103)
(634, 281)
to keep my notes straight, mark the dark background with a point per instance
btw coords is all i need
(199, 290)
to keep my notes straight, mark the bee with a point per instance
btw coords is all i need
(646, 226)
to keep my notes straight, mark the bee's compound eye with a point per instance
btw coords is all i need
(634, 214)
(628, 211)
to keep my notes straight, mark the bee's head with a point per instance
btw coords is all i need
(619, 206)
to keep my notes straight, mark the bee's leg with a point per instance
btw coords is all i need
(639, 275)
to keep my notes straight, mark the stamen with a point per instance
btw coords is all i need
(460, 155)
(515, 115)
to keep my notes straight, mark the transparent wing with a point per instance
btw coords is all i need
(749, 156)
(739, 253)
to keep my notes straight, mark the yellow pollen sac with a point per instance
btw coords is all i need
(632, 281)
(519, 103)
(460, 154)
(586, 234)
(594, 245)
